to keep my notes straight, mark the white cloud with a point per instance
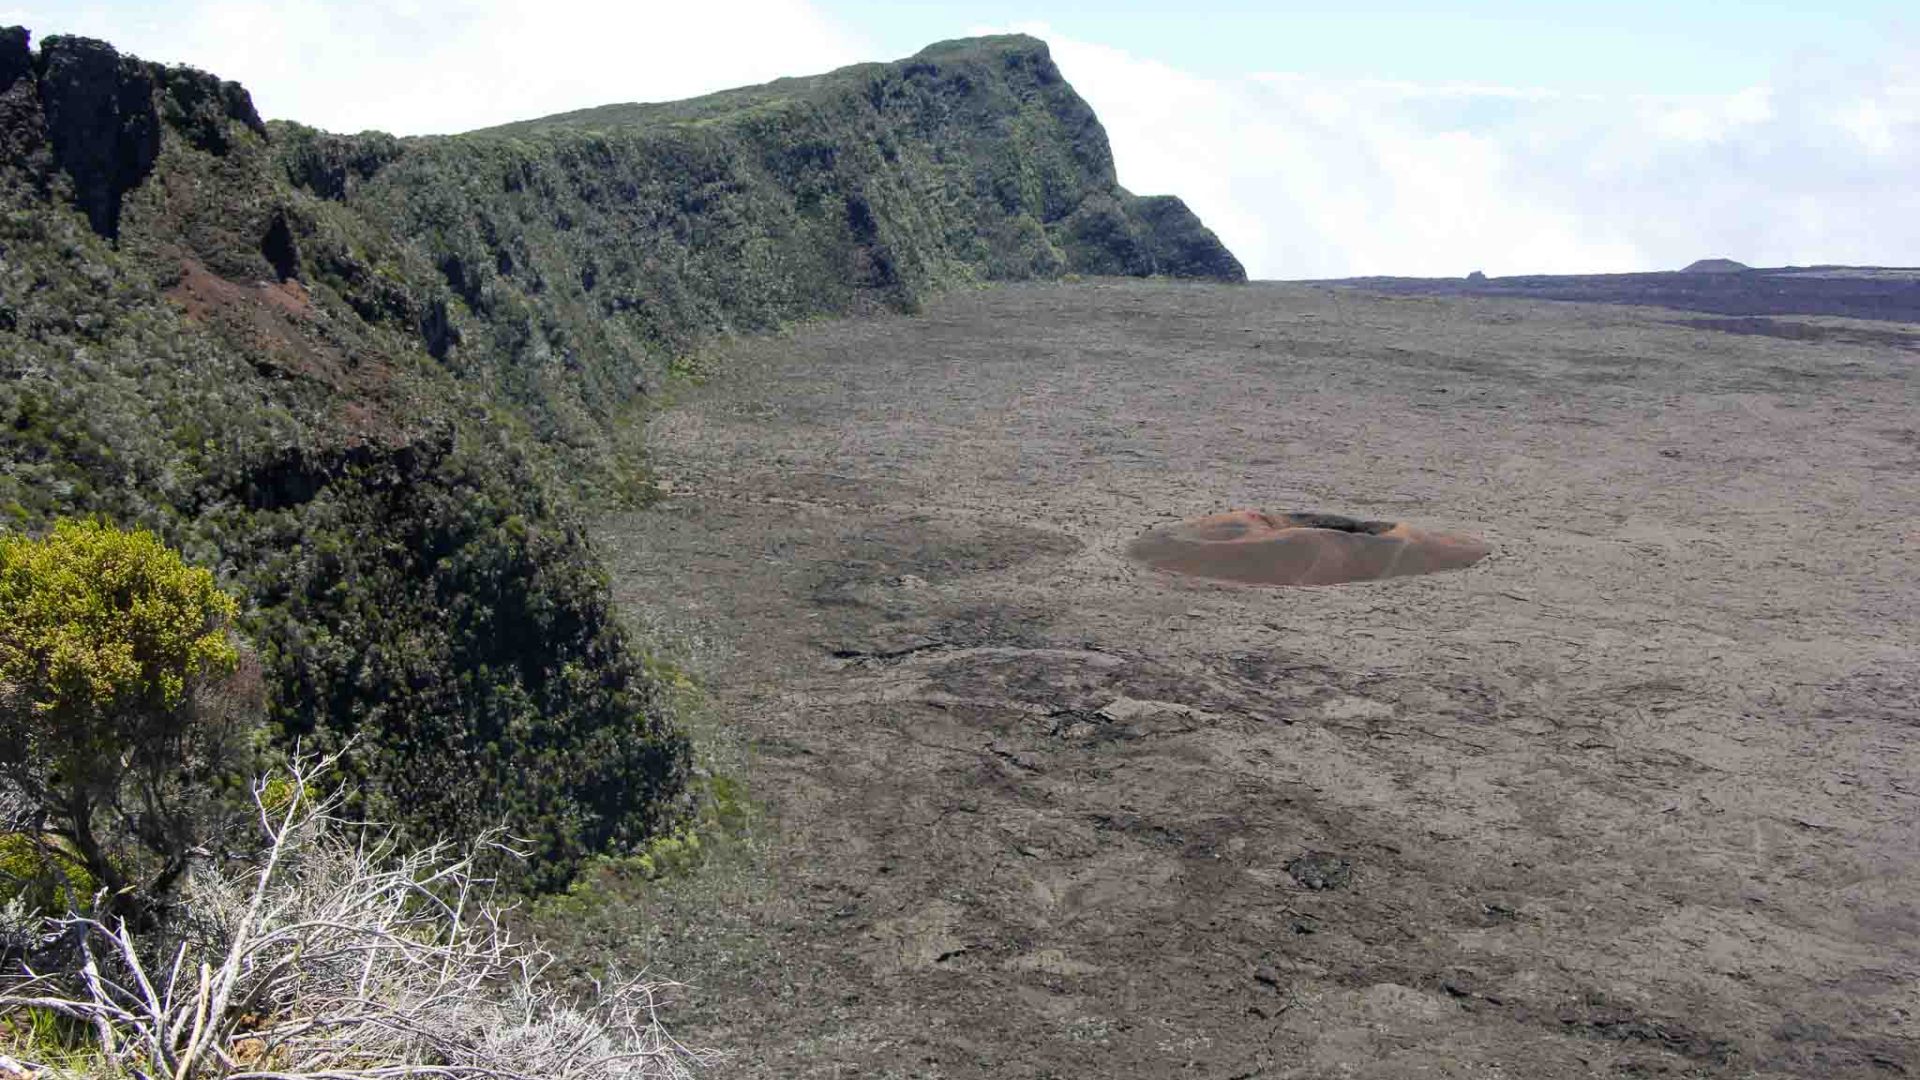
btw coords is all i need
(1308, 176)
(1871, 123)
(423, 66)
(1302, 175)
(1711, 119)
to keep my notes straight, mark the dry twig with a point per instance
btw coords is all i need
(338, 956)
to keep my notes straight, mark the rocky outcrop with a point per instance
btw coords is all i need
(1179, 245)
(22, 124)
(101, 122)
(16, 56)
(203, 108)
(103, 114)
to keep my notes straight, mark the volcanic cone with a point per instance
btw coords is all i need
(1301, 549)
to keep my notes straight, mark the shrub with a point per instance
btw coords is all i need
(336, 954)
(106, 639)
(101, 628)
(41, 874)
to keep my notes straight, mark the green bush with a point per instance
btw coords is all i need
(107, 640)
(102, 632)
(42, 874)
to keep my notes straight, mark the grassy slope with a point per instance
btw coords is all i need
(350, 371)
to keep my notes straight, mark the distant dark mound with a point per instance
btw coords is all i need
(1715, 266)
(1712, 286)
(1301, 549)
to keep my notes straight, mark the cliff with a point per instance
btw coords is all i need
(580, 255)
(367, 378)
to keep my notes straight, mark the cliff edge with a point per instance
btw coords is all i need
(581, 254)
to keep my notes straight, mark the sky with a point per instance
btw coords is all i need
(1318, 140)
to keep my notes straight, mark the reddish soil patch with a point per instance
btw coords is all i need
(265, 317)
(202, 292)
(1301, 549)
(282, 332)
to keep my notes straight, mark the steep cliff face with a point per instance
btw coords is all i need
(581, 253)
(366, 377)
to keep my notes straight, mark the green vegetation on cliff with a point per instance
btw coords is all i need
(409, 578)
(579, 255)
(364, 377)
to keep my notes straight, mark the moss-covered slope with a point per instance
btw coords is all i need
(352, 372)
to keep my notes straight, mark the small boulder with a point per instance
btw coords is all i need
(1319, 870)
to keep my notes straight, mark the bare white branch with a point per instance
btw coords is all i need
(337, 956)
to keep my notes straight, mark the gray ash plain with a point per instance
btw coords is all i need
(1635, 795)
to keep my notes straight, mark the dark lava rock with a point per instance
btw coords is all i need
(104, 113)
(1320, 870)
(23, 151)
(334, 166)
(16, 61)
(101, 121)
(280, 250)
(437, 331)
(203, 107)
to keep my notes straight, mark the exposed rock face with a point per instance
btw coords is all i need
(101, 122)
(103, 114)
(22, 124)
(16, 58)
(199, 106)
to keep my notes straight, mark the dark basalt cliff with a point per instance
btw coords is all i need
(366, 377)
